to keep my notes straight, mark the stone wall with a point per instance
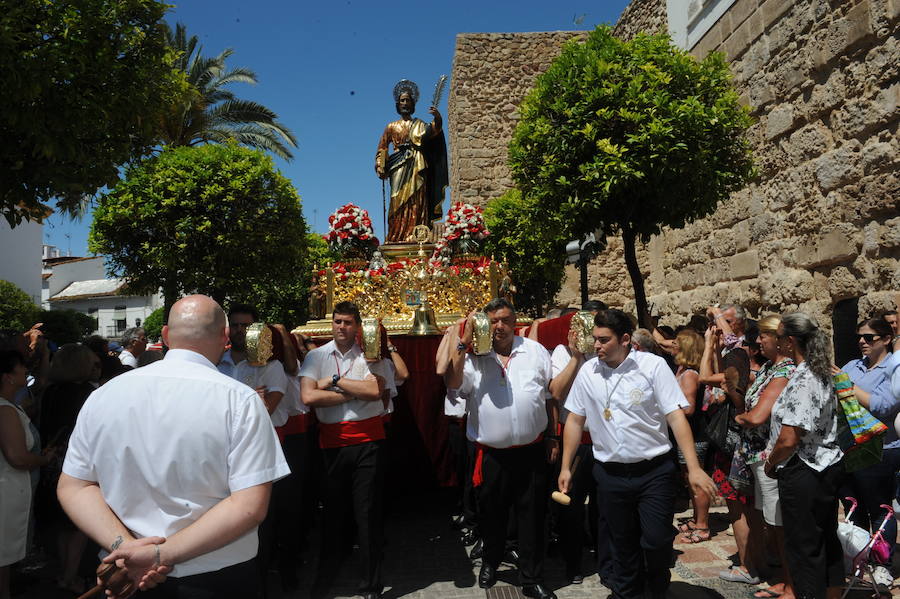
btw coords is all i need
(822, 221)
(492, 73)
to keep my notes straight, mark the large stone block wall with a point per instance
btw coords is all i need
(822, 221)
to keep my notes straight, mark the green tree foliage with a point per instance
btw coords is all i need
(84, 83)
(534, 255)
(17, 311)
(213, 219)
(153, 323)
(628, 137)
(320, 254)
(66, 326)
(211, 113)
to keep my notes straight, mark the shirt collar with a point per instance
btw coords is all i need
(187, 355)
(227, 358)
(351, 353)
(600, 365)
(518, 346)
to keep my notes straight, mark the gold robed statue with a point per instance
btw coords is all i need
(417, 168)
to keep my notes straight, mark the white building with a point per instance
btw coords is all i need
(81, 284)
(20, 248)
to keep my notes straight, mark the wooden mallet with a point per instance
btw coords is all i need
(112, 578)
(560, 497)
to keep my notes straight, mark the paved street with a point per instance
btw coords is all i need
(424, 560)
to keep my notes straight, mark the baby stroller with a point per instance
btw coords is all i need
(863, 552)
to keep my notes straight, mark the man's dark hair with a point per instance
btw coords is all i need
(10, 339)
(97, 344)
(615, 320)
(568, 311)
(887, 313)
(243, 309)
(9, 359)
(347, 309)
(594, 306)
(498, 303)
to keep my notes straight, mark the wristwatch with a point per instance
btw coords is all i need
(334, 379)
(392, 348)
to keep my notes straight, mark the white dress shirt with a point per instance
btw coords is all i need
(272, 377)
(169, 441)
(326, 361)
(559, 359)
(291, 401)
(454, 405)
(127, 358)
(507, 407)
(643, 392)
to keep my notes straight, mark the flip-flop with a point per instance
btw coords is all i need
(697, 535)
(687, 526)
(766, 594)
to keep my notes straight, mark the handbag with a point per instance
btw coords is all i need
(860, 435)
(720, 427)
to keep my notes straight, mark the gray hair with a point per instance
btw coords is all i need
(645, 341)
(739, 311)
(811, 341)
(131, 335)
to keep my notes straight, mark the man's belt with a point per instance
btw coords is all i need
(350, 432)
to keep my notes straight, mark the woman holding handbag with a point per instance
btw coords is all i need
(876, 484)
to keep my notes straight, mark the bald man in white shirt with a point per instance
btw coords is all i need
(511, 421)
(170, 466)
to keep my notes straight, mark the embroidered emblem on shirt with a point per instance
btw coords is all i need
(635, 396)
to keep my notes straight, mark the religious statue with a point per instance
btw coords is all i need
(317, 299)
(417, 168)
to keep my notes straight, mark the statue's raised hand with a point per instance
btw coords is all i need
(436, 116)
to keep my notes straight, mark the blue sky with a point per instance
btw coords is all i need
(328, 68)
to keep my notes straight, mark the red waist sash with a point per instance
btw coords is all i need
(295, 425)
(350, 432)
(477, 472)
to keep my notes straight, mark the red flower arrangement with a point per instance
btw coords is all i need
(463, 231)
(350, 232)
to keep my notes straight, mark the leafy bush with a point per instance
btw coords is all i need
(17, 311)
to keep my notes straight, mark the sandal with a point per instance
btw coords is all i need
(687, 526)
(765, 594)
(696, 535)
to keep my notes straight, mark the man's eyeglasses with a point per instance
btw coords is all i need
(868, 337)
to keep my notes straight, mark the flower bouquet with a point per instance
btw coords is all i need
(464, 231)
(350, 233)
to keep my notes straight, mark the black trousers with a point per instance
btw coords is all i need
(809, 507)
(638, 501)
(281, 533)
(572, 523)
(462, 452)
(239, 581)
(515, 477)
(354, 481)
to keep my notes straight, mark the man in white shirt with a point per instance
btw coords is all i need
(507, 409)
(134, 342)
(336, 380)
(627, 398)
(170, 466)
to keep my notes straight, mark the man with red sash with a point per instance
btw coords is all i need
(514, 429)
(336, 380)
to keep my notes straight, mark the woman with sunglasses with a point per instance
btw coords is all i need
(876, 484)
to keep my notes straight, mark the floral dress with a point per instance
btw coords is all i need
(753, 444)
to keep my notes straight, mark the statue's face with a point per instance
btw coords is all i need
(405, 104)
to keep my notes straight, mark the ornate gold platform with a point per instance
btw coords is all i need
(392, 294)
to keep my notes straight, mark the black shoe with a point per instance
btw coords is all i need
(487, 577)
(469, 537)
(538, 591)
(511, 557)
(477, 550)
(574, 577)
(371, 595)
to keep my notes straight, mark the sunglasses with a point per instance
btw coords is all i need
(868, 337)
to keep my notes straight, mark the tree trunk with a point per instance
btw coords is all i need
(170, 296)
(629, 239)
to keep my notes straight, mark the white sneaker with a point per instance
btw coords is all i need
(882, 576)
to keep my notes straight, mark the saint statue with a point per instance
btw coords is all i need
(417, 168)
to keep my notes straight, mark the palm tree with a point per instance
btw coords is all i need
(210, 113)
